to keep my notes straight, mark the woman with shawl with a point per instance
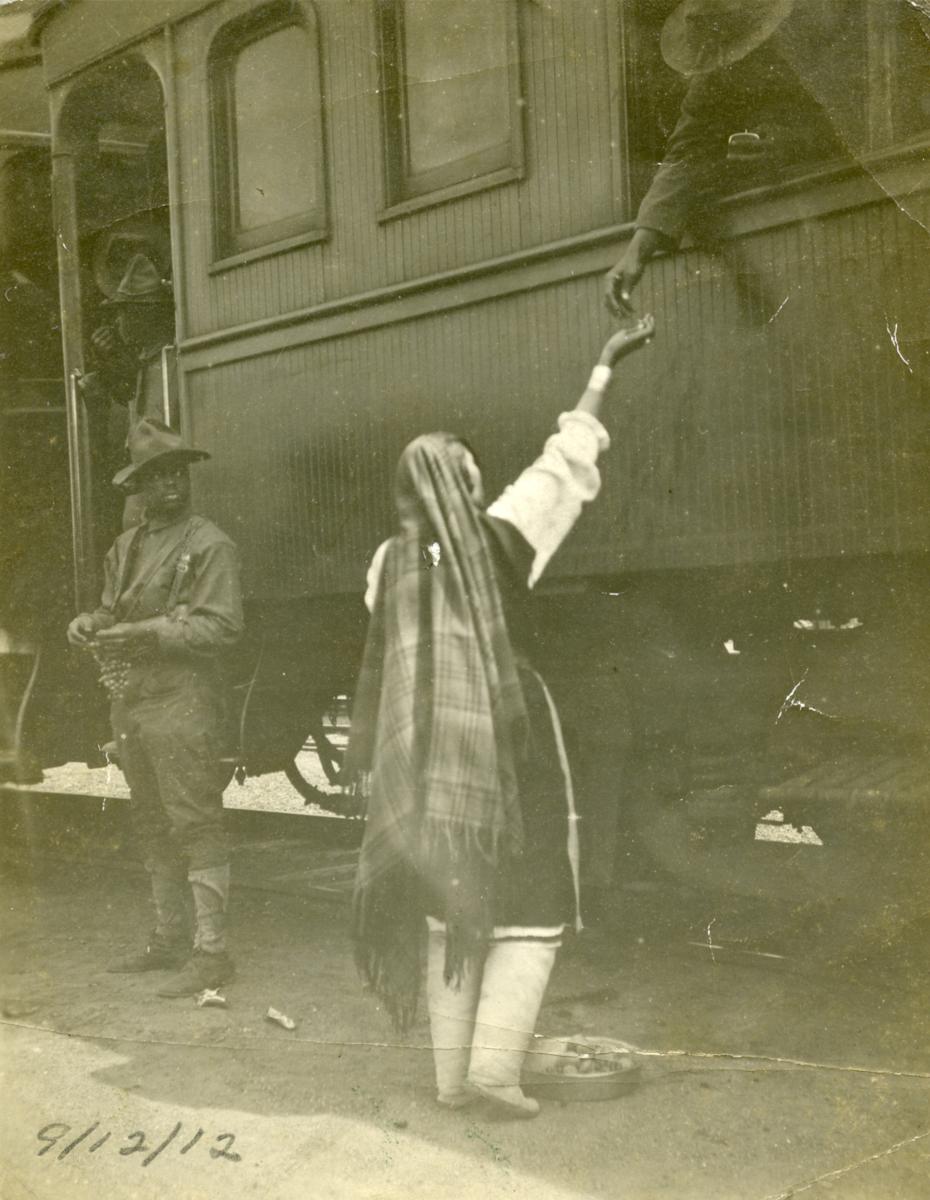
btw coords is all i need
(456, 743)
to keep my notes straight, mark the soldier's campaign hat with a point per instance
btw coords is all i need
(150, 440)
(141, 284)
(705, 35)
(120, 241)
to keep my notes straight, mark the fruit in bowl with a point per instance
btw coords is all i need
(579, 1068)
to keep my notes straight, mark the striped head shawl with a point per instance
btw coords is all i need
(439, 722)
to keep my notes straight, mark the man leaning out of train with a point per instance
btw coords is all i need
(171, 608)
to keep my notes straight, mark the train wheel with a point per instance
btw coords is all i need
(339, 803)
(327, 737)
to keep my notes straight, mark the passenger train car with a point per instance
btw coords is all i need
(384, 216)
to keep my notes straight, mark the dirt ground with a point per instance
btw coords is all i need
(759, 1079)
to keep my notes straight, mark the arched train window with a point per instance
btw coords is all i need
(268, 154)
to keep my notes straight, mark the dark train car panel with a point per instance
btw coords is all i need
(23, 102)
(567, 177)
(35, 544)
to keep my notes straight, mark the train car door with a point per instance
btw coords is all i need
(114, 247)
(85, 215)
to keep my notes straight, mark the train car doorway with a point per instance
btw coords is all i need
(88, 344)
(111, 175)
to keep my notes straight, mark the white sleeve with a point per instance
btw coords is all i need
(546, 500)
(373, 577)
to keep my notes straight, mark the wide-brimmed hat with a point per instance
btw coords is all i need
(115, 247)
(141, 284)
(150, 440)
(705, 35)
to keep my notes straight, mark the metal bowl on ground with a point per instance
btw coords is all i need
(579, 1068)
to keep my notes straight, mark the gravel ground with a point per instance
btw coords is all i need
(267, 793)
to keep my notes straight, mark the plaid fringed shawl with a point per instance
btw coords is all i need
(439, 721)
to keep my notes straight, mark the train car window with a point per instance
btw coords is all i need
(266, 95)
(836, 80)
(899, 69)
(451, 98)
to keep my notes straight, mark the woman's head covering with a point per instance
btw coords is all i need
(439, 722)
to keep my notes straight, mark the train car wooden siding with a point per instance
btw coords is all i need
(314, 342)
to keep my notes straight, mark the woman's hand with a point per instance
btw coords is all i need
(623, 342)
(627, 339)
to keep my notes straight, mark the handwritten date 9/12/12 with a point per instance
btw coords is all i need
(93, 1138)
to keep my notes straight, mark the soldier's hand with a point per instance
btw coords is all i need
(623, 278)
(81, 630)
(126, 631)
(93, 388)
(103, 339)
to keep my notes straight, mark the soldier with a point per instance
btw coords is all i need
(762, 94)
(130, 348)
(134, 371)
(171, 607)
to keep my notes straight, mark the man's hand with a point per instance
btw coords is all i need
(623, 278)
(137, 633)
(81, 630)
(625, 340)
(93, 388)
(103, 340)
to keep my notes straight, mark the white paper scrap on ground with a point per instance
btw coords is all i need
(280, 1018)
(804, 836)
(211, 998)
(730, 647)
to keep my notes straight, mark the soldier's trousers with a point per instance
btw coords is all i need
(169, 737)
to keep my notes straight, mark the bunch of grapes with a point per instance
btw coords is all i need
(114, 668)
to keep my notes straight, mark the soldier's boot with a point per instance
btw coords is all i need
(169, 945)
(451, 1023)
(512, 987)
(209, 966)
